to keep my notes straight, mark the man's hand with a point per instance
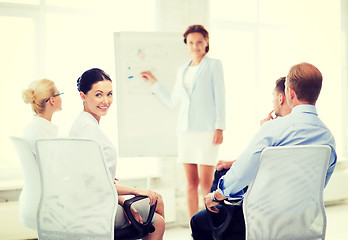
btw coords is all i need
(269, 117)
(210, 204)
(223, 164)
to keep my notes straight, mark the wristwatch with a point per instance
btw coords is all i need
(214, 199)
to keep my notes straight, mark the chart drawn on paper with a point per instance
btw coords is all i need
(146, 127)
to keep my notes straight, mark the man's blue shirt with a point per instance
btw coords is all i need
(301, 127)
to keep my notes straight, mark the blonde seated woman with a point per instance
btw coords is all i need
(95, 88)
(45, 100)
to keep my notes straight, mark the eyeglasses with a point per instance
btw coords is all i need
(55, 95)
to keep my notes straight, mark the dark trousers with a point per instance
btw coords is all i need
(204, 224)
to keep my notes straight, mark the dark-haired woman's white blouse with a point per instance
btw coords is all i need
(87, 127)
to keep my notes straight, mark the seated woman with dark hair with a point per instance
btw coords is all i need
(95, 89)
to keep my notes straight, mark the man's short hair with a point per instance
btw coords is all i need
(280, 85)
(306, 80)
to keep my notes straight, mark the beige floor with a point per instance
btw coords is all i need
(11, 229)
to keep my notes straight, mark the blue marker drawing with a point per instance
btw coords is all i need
(129, 77)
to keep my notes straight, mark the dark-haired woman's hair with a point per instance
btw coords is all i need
(199, 29)
(89, 77)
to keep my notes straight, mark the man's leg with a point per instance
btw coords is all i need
(203, 230)
(201, 223)
(200, 226)
(236, 228)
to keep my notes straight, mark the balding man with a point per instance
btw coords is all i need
(301, 127)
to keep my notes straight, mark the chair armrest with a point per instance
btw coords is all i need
(220, 227)
(147, 226)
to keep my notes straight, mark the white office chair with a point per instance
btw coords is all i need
(30, 195)
(78, 198)
(285, 201)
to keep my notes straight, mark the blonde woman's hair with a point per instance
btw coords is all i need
(37, 94)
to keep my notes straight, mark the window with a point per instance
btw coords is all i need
(58, 40)
(258, 47)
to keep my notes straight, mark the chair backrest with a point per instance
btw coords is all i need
(30, 195)
(78, 199)
(285, 201)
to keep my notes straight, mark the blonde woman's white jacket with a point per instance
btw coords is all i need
(203, 109)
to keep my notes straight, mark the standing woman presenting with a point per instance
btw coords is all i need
(200, 90)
